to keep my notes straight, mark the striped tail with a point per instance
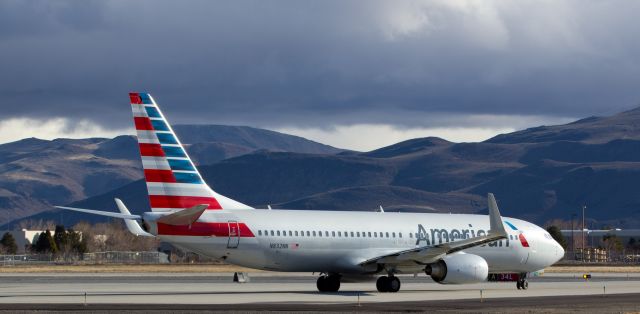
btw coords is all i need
(173, 182)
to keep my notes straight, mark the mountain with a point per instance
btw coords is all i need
(625, 125)
(208, 144)
(249, 137)
(36, 174)
(537, 174)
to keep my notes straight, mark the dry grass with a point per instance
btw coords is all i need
(169, 268)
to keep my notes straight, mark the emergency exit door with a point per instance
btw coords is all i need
(234, 234)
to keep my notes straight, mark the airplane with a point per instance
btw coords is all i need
(341, 246)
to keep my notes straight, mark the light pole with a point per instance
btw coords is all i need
(573, 239)
(584, 207)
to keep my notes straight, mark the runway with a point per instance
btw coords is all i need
(278, 291)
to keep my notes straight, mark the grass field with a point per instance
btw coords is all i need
(212, 268)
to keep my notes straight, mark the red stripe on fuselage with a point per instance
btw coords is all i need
(523, 240)
(151, 150)
(166, 176)
(166, 201)
(135, 98)
(143, 124)
(205, 229)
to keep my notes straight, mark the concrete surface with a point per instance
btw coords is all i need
(278, 291)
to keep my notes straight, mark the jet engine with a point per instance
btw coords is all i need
(458, 269)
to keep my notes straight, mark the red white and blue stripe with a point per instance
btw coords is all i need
(173, 181)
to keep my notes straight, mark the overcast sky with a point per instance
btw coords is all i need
(355, 74)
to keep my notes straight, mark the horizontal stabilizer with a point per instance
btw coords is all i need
(184, 217)
(101, 213)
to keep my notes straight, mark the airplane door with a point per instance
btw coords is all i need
(234, 234)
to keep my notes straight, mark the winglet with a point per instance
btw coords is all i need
(495, 220)
(133, 226)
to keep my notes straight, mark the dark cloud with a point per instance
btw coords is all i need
(317, 63)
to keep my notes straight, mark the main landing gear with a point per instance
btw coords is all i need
(330, 283)
(522, 283)
(389, 283)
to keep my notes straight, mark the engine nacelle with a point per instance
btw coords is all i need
(458, 269)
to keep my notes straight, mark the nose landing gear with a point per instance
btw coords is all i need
(389, 283)
(328, 283)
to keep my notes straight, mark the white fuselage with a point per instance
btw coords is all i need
(338, 242)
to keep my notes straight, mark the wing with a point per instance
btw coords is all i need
(426, 255)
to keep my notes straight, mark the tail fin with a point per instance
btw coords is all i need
(173, 182)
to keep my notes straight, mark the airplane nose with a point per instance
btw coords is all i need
(559, 251)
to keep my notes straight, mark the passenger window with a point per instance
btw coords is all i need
(339, 234)
(387, 233)
(284, 233)
(326, 233)
(272, 233)
(333, 234)
(400, 235)
(290, 234)
(296, 233)
(369, 233)
(393, 234)
(320, 233)
(314, 233)
(278, 232)
(259, 232)
(411, 235)
(308, 234)
(358, 234)
(375, 234)
(352, 234)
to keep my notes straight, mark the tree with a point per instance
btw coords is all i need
(557, 235)
(61, 238)
(8, 243)
(76, 242)
(612, 243)
(45, 243)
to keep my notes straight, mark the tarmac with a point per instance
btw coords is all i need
(138, 292)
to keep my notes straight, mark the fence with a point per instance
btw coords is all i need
(110, 257)
(116, 257)
(30, 259)
(597, 255)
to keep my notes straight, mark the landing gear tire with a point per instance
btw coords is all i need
(522, 284)
(382, 284)
(388, 284)
(329, 283)
(394, 284)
